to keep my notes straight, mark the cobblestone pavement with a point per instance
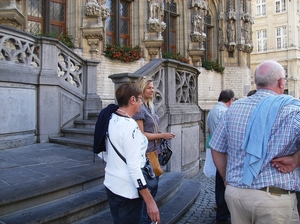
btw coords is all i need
(202, 211)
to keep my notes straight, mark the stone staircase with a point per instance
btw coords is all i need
(81, 135)
(79, 196)
(86, 201)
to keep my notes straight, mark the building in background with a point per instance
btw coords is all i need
(276, 35)
(209, 35)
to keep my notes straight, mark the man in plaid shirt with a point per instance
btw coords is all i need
(252, 132)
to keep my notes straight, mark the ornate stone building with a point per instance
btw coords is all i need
(200, 31)
(197, 29)
(276, 35)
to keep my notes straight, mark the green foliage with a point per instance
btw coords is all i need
(123, 53)
(65, 38)
(213, 65)
(174, 56)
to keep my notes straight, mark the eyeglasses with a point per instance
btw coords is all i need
(139, 97)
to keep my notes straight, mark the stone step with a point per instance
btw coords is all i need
(75, 142)
(85, 124)
(93, 116)
(173, 201)
(78, 133)
(91, 204)
(52, 173)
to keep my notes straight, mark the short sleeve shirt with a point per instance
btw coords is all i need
(148, 117)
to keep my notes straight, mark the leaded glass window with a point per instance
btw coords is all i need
(169, 35)
(46, 16)
(118, 23)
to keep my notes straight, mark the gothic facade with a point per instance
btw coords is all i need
(199, 30)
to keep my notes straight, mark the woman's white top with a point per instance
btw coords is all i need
(120, 178)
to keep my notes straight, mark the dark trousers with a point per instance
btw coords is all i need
(124, 210)
(222, 209)
(298, 198)
(145, 218)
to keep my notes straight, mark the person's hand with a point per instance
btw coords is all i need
(284, 164)
(153, 212)
(168, 135)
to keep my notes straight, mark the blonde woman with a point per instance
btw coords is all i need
(147, 120)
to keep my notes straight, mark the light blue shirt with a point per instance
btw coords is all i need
(284, 140)
(214, 116)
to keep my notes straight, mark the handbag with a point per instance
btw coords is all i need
(166, 152)
(147, 170)
(152, 156)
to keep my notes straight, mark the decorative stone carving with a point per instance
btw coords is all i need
(196, 55)
(231, 31)
(93, 28)
(231, 47)
(153, 9)
(221, 40)
(93, 36)
(12, 17)
(198, 37)
(92, 9)
(153, 47)
(156, 26)
(199, 8)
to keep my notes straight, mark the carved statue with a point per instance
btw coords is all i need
(231, 31)
(197, 23)
(153, 9)
(247, 33)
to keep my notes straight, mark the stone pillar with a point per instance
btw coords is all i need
(198, 36)
(155, 26)
(11, 16)
(92, 102)
(93, 25)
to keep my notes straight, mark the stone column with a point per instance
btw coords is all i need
(93, 25)
(196, 48)
(155, 26)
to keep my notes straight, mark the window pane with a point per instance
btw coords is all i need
(109, 4)
(35, 8)
(34, 27)
(124, 9)
(109, 39)
(124, 27)
(109, 24)
(172, 23)
(124, 41)
(173, 7)
(56, 29)
(57, 12)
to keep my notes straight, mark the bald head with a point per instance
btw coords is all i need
(268, 73)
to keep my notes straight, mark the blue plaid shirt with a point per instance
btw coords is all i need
(284, 140)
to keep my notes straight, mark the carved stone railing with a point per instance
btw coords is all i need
(57, 85)
(176, 86)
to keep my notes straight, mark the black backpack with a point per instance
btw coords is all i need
(101, 128)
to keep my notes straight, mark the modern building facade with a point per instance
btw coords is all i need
(276, 35)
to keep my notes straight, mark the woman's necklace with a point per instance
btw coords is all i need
(124, 112)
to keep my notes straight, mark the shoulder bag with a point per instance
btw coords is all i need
(147, 170)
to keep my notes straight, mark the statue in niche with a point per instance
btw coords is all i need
(197, 23)
(153, 9)
(231, 31)
(247, 33)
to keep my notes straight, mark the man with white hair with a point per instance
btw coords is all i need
(251, 133)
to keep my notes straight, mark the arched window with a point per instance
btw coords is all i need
(118, 23)
(46, 16)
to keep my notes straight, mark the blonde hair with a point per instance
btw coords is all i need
(142, 83)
